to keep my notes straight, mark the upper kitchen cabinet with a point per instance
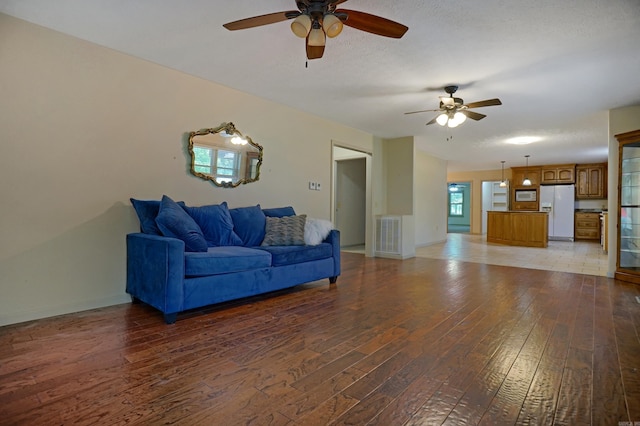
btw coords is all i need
(518, 174)
(558, 174)
(591, 181)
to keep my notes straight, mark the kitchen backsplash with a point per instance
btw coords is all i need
(591, 204)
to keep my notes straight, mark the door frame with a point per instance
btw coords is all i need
(358, 153)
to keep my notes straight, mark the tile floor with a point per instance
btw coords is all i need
(577, 257)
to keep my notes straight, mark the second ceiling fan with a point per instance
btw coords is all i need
(453, 111)
(317, 19)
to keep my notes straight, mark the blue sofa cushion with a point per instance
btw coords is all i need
(216, 224)
(284, 231)
(279, 212)
(288, 255)
(174, 221)
(223, 260)
(249, 224)
(147, 211)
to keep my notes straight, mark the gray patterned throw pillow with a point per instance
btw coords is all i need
(285, 231)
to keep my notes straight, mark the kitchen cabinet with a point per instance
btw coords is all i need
(628, 209)
(526, 229)
(587, 226)
(518, 174)
(591, 181)
(558, 174)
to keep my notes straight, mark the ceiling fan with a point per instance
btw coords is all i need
(317, 19)
(453, 111)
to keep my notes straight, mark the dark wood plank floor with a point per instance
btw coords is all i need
(413, 342)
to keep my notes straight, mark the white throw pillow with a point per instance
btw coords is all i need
(316, 230)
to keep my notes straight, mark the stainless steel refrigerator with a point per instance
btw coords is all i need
(559, 202)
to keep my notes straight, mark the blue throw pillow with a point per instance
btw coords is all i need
(249, 224)
(174, 222)
(216, 224)
(147, 211)
(279, 212)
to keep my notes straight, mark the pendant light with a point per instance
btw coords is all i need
(526, 181)
(503, 183)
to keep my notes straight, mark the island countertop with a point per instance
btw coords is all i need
(518, 228)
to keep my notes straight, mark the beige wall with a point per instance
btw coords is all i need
(398, 155)
(476, 178)
(430, 199)
(83, 128)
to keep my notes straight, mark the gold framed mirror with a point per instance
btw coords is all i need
(223, 156)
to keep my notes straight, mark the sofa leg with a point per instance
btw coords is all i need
(170, 318)
(332, 280)
(135, 300)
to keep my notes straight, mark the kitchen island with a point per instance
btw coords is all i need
(518, 228)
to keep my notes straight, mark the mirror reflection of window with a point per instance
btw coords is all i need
(222, 164)
(225, 157)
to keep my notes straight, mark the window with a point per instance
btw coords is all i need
(456, 203)
(222, 164)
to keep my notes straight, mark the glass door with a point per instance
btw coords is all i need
(628, 260)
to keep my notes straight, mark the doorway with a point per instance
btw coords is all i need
(459, 207)
(351, 172)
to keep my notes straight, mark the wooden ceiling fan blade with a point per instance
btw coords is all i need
(488, 102)
(424, 110)
(373, 24)
(473, 115)
(314, 52)
(257, 21)
(433, 120)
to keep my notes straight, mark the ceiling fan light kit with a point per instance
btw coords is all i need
(331, 25)
(317, 19)
(301, 26)
(451, 119)
(453, 111)
(316, 35)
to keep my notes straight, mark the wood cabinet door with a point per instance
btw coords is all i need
(565, 175)
(582, 188)
(596, 182)
(591, 182)
(549, 176)
(558, 175)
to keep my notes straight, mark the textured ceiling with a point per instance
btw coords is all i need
(558, 67)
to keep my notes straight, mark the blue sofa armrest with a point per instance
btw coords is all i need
(334, 239)
(155, 271)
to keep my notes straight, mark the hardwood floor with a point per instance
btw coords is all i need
(414, 342)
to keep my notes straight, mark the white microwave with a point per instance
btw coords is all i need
(526, 195)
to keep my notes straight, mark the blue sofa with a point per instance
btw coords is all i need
(189, 257)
